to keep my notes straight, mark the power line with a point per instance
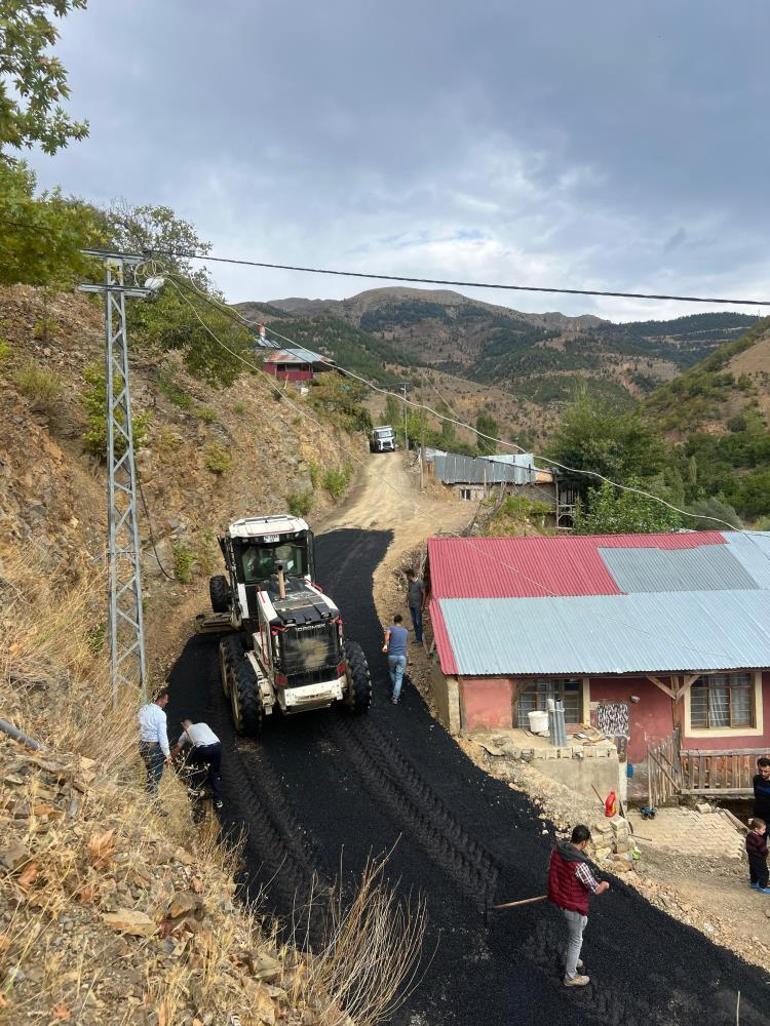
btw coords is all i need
(462, 284)
(372, 275)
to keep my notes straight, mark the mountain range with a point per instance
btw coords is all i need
(537, 357)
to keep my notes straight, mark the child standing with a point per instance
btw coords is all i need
(756, 847)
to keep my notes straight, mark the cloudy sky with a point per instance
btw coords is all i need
(586, 144)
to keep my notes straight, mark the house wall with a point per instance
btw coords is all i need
(759, 738)
(654, 716)
(286, 374)
(650, 719)
(486, 703)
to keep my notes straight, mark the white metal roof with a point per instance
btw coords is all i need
(255, 527)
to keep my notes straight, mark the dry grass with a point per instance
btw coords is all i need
(369, 962)
(89, 829)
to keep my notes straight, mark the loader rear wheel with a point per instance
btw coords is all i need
(359, 693)
(244, 697)
(219, 593)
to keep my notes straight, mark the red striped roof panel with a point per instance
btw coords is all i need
(539, 567)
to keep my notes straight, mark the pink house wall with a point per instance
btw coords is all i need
(654, 716)
(650, 719)
(486, 703)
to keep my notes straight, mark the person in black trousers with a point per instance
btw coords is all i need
(205, 750)
(756, 847)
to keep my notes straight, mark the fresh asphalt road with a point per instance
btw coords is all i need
(325, 790)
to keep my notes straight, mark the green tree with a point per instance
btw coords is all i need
(620, 446)
(342, 400)
(486, 425)
(609, 510)
(42, 236)
(148, 227)
(32, 80)
(189, 315)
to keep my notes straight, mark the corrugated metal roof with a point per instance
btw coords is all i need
(708, 568)
(297, 355)
(539, 567)
(598, 634)
(454, 469)
(752, 550)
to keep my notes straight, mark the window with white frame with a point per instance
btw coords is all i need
(722, 700)
(534, 695)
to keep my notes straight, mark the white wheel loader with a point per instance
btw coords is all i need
(288, 649)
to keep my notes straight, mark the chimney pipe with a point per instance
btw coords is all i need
(281, 581)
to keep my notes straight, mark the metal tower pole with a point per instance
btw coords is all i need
(125, 618)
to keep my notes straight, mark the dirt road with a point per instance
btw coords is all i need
(324, 790)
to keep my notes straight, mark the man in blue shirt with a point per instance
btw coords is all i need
(396, 641)
(153, 740)
(762, 789)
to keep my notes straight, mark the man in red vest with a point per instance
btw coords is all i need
(570, 886)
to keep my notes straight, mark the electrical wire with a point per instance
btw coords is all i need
(553, 290)
(462, 284)
(149, 526)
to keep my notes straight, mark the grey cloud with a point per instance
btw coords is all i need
(547, 142)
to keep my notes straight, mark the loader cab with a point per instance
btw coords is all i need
(255, 547)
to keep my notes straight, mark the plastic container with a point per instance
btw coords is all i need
(538, 721)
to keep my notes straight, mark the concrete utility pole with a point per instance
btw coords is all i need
(125, 620)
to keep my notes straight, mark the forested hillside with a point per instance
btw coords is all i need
(535, 357)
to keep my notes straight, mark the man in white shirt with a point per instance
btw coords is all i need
(205, 750)
(153, 740)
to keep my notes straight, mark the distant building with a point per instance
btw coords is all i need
(476, 477)
(296, 364)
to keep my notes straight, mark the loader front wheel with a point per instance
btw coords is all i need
(359, 679)
(219, 593)
(230, 651)
(244, 697)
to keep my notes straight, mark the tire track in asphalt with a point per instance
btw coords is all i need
(648, 968)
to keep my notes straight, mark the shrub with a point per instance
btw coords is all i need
(239, 408)
(336, 480)
(184, 559)
(173, 391)
(5, 350)
(218, 460)
(95, 400)
(206, 414)
(42, 386)
(315, 473)
(299, 504)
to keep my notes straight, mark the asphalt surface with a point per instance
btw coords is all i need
(326, 790)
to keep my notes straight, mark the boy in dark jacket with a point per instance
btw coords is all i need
(570, 886)
(756, 847)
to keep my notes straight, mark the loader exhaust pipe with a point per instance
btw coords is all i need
(281, 581)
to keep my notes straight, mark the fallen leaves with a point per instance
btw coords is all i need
(101, 848)
(27, 877)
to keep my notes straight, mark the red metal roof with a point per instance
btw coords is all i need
(538, 567)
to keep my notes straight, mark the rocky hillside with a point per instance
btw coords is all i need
(207, 454)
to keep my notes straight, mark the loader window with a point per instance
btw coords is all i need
(259, 562)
